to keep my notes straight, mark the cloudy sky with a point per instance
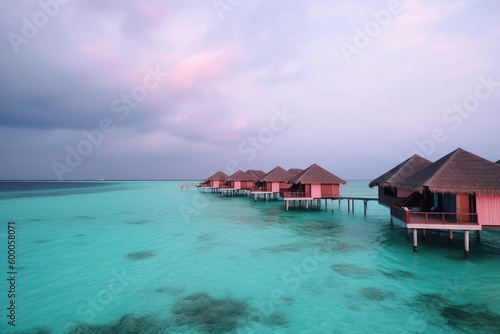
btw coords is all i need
(182, 88)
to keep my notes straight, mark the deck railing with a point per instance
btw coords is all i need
(293, 194)
(417, 217)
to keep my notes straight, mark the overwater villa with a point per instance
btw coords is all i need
(295, 171)
(388, 193)
(313, 184)
(214, 182)
(239, 183)
(257, 173)
(459, 192)
(273, 183)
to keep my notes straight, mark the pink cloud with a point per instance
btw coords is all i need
(200, 66)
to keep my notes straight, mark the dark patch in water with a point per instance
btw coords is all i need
(205, 237)
(283, 248)
(276, 320)
(352, 270)
(399, 274)
(140, 255)
(212, 315)
(38, 330)
(430, 301)
(345, 247)
(128, 324)
(79, 235)
(36, 220)
(321, 227)
(373, 294)
(171, 290)
(209, 314)
(464, 316)
(139, 222)
(83, 217)
(41, 241)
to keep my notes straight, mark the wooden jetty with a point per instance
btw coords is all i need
(350, 202)
(189, 185)
(308, 202)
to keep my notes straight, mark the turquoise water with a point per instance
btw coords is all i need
(145, 257)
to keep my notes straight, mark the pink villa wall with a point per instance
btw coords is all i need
(237, 185)
(330, 190)
(275, 187)
(316, 190)
(215, 184)
(488, 209)
(247, 184)
(389, 200)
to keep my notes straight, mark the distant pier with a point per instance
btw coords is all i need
(309, 201)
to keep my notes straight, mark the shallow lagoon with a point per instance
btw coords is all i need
(145, 257)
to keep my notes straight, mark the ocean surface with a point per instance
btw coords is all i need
(146, 257)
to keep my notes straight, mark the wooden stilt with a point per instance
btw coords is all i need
(415, 240)
(365, 205)
(423, 234)
(450, 236)
(352, 205)
(348, 206)
(408, 233)
(307, 204)
(478, 235)
(466, 243)
(332, 205)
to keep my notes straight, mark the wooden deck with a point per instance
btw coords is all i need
(189, 185)
(265, 194)
(351, 199)
(451, 221)
(436, 220)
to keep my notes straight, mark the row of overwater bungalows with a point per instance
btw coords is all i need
(460, 191)
(313, 183)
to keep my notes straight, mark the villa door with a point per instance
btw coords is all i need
(466, 206)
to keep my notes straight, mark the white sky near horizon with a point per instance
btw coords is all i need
(365, 84)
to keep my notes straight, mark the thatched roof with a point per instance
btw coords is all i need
(219, 176)
(316, 174)
(278, 174)
(459, 172)
(257, 173)
(241, 176)
(295, 171)
(401, 172)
